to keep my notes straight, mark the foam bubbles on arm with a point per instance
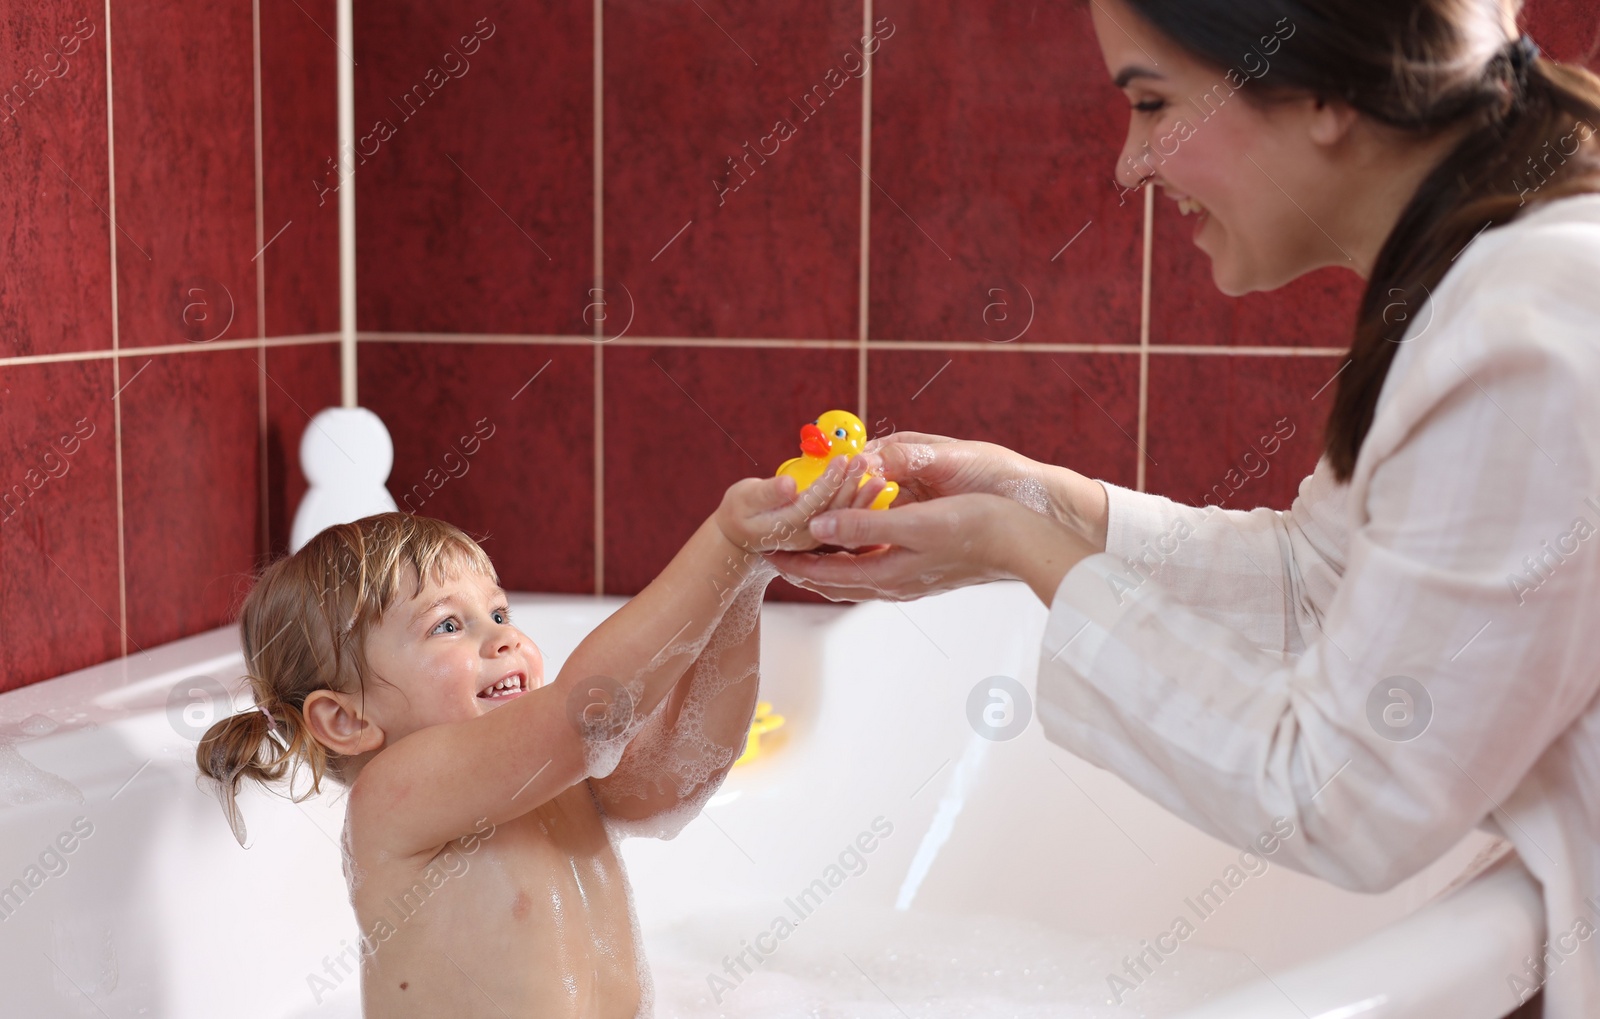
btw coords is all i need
(677, 758)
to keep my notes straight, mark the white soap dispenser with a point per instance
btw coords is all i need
(346, 454)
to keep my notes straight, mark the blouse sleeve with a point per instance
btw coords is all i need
(1265, 574)
(1449, 656)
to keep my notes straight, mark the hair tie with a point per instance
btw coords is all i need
(1521, 54)
(272, 729)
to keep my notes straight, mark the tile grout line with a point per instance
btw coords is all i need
(736, 342)
(864, 283)
(598, 157)
(116, 344)
(265, 535)
(119, 352)
(1144, 336)
(536, 339)
(573, 340)
(349, 376)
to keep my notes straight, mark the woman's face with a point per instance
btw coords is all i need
(1258, 188)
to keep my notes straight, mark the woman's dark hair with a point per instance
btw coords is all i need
(1424, 67)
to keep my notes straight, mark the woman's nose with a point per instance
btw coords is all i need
(1132, 169)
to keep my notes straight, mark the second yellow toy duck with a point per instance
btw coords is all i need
(836, 433)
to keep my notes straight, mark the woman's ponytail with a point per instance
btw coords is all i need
(1540, 147)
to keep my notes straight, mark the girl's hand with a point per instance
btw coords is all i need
(769, 514)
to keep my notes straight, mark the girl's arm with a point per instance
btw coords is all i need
(685, 750)
(443, 779)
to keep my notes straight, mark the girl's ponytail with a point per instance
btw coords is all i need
(264, 744)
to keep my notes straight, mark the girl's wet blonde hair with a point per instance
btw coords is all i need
(303, 627)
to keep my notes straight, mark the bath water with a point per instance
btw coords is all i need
(886, 964)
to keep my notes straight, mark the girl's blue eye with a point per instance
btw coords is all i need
(501, 616)
(450, 622)
(1151, 106)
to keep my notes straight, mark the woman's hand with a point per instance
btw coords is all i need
(935, 466)
(928, 547)
(769, 514)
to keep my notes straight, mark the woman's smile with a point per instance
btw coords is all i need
(1188, 206)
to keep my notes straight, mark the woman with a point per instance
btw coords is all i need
(1235, 665)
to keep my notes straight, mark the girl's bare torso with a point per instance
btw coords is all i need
(527, 918)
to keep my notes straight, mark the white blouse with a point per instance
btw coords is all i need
(1238, 666)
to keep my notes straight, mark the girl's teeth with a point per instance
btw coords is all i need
(510, 684)
(1187, 206)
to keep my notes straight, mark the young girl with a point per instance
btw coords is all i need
(476, 840)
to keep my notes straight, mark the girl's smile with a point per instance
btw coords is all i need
(504, 689)
(448, 653)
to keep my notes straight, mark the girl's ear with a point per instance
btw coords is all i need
(336, 723)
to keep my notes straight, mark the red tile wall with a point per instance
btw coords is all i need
(300, 231)
(634, 348)
(148, 431)
(994, 132)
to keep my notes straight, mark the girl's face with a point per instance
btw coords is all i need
(448, 654)
(1252, 180)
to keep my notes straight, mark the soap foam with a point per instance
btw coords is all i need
(1029, 492)
(23, 782)
(881, 964)
(602, 754)
(684, 756)
(919, 455)
(641, 960)
(38, 725)
(354, 875)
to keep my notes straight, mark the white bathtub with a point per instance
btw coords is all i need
(1028, 873)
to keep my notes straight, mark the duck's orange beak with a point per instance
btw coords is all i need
(813, 442)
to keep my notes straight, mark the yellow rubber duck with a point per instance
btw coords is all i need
(764, 722)
(836, 433)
